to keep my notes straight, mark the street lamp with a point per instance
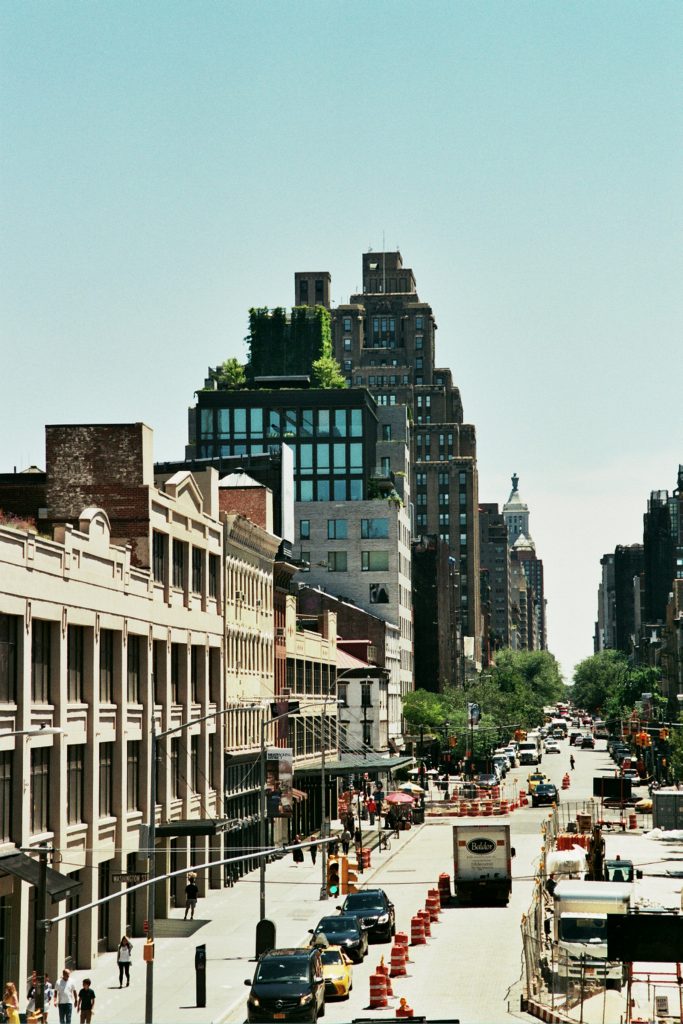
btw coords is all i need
(151, 839)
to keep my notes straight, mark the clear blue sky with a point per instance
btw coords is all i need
(164, 166)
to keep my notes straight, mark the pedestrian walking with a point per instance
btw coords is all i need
(124, 956)
(10, 1001)
(313, 850)
(550, 884)
(86, 1002)
(571, 762)
(191, 895)
(49, 993)
(345, 841)
(297, 852)
(372, 810)
(66, 996)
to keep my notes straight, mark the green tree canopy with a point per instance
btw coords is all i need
(606, 684)
(231, 375)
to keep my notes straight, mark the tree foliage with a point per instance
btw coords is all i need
(512, 694)
(607, 685)
(230, 375)
(298, 344)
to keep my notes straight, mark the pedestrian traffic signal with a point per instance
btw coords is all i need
(333, 884)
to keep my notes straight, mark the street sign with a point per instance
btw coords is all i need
(130, 877)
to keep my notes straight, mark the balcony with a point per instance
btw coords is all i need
(383, 479)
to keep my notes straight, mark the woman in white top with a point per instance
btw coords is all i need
(123, 959)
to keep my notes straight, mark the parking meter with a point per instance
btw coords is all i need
(200, 974)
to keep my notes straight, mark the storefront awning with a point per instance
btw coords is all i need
(59, 887)
(354, 764)
(192, 827)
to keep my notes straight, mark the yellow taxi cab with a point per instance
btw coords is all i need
(533, 779)
(337, 972)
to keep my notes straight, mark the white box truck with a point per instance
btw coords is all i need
(482, 862)
(531, 749)
(580, 931)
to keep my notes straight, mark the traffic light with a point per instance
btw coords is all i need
(333, 885)
(663, 734)
(348, 879)
(452, 741)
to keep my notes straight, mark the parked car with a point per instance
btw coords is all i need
(588, 743)
(633, 775)
(486, 780)
(346, 931)
(545, 793)
(512, 756)
(375, 912)
(551, 747)
(288, 984)
(337, 972)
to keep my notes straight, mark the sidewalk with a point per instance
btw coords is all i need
(225, 921)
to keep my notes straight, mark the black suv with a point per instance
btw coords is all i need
(288, 985)
(375, 912)
(545, 793)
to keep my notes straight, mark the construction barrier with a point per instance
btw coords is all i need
(401, 939)
(487, 808)
(444, 887)
(398, 962)
(436, 894)
(432, 909)
(417, 931)
(403, 1010)
(378, 992)
(504, 806)
(565, 781)
(523, 800)
(633, 821)
(426, 921)
(474, 809)
(365, 854)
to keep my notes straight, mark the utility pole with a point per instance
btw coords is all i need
(41, 929)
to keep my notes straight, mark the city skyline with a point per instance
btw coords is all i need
(169, 166)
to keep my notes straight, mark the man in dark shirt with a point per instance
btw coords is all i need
(550, 884)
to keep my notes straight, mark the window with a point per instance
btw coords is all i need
(339, 491)
(421, 498)
(75, 756)
(356, 423)
(385, 465)
(418, 363)
(178, 564)
(374, 529)
(206, 423)
(40, 790)
(444, 519)
(347, 365)
(74, 659)
(421, 520)
(379, 594)
(306, 423)
(133, 775)
(303, 293)
(340, 422)
(195, 664)
(177, 651)
(374, 561)
(339, 451)
(106, 777)
(346, 323)
(9, 634)
(305, 490)
(336, 561)
(305, 458)
(304, 529)
(444, 498)
(386, 431)
(212, 760)
(356, 488)
(134, 658)
(40, 661)
(305, 558)
(197, 570)
(418, 341)
(175, 768)
(5, 795)
(159, 548)
(336, 529)
(107, 666)
(214, 564)
(194, 763)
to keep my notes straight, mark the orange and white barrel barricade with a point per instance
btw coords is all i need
(401, 939)
(383, 969)
(378, 991)
(633, 821)
(496, 808)
(457, 808)
(431, 908)
(523, 801)
(426, 920)
(398, 961)
(437, 896)
(495, 792)
(417, 931)
(487, 808)
(365, 854)
(403, 1010)
(444, 887)
(565, 781)
(504, 806)
(464, 807)
(474, 809)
